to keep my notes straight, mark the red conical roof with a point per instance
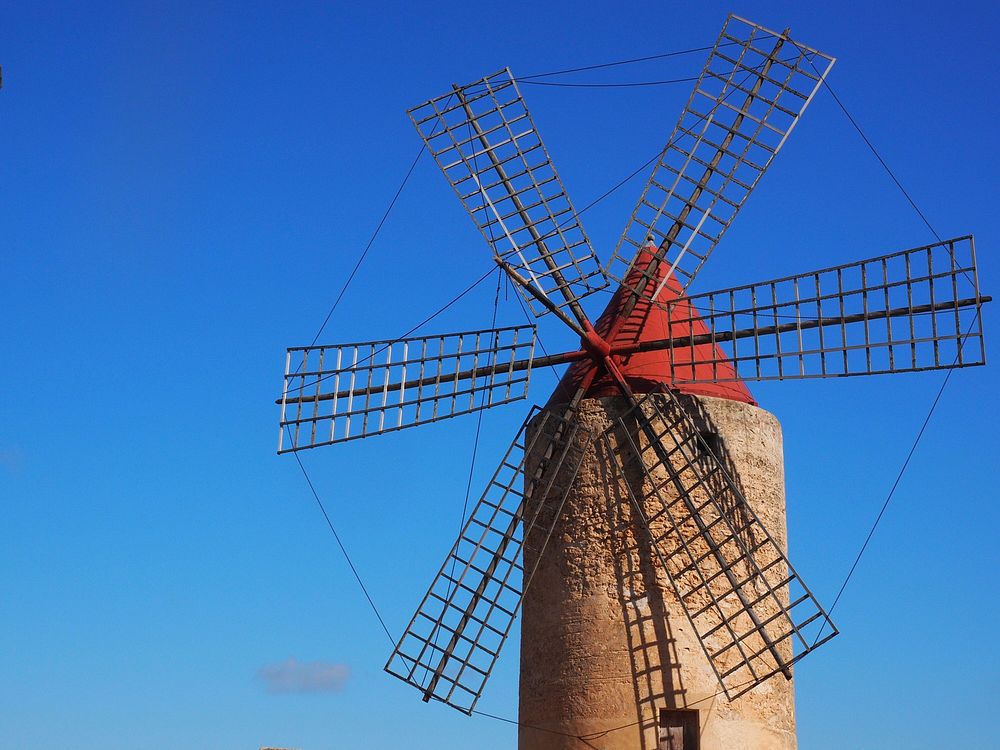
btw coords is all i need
(647, 371)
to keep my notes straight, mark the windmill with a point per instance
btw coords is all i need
(651, 450)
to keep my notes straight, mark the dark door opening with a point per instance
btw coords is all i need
(679, 729)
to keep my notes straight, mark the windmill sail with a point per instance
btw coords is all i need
(751, 93)
(349, 391)
(750, 610)
(450, 646)
(485, 143)
(908, 311)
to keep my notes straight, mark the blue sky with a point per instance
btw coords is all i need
(183, 191)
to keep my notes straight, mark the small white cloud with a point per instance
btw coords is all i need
(292, 676)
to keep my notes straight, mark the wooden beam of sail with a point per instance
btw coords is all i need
(751, 93)
(349, 391)
(913, 310)
(484, 141)
(453, 640)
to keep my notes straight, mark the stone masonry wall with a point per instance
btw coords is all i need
(605, 644)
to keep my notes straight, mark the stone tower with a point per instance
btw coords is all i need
(607, 652)
(605, 645)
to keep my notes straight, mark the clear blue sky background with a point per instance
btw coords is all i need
(183, 189)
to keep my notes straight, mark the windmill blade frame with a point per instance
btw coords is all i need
(751, 611)
(908, 311)
(486, 144)
(452, 642)
(726, 146)
(368, 388)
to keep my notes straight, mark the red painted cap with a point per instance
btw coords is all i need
(648, 371)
